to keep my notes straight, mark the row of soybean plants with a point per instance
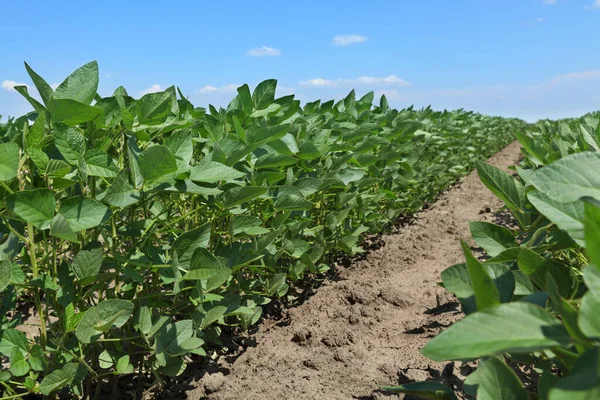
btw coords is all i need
(534, 303)
(134, 231)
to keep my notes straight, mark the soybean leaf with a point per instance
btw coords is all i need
(33, 206)
(10, 338)
(494, 239)
(590, 304)
(498, 381)
(181, 146)
(87, 262)
(81, 85)
(516, 327)
(239, 195)
(212, 171)
(121, 193)
(72, 112)
(570, 178)
(100, 164)
(69, 142)
(189, 242)
(592, 233)
(102, 317)
(69, 374)
(9, 161)
(44, 89)
(264, 94)
(5, 274)
(60, 228)
(566, 216)
(156, 162)
(486, 293)
(583, 383)
(507, 188)
(82, 213)
(290, 198)
(18, 364)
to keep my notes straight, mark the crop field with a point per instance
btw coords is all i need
(140, 238)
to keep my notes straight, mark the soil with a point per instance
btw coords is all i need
(366, 329)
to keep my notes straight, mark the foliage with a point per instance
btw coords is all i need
(139, 229)
(535, 300)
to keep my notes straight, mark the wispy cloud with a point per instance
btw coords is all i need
(391, 80)
(347, 40)
(152, 89)
(264, 51)
(231, 88)
(548, 2)
(10, 85)
(391, 94)
(576, 76)
(108, 75)
(595, 4)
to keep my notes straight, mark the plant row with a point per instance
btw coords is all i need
(134, 233)
(534, 302)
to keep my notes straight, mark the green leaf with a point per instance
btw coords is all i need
(189, 242)
(69, 142)
(121, 193)
(102, 317)
(566, 216)
(516, 327)
(5, 274)
(498, 381)
(33, 206)
(44, 89)
(100, 164)
(60, 228)
(248, 225)
(36, 358)
(536, 267)
(154, 108)
(583, 383)
(34, 103)
(72, 112)
(69, 374)
(170, 337)
(494, 239)
(239, 195)
(264, 94)
(589, 320)
(18, 364)
(57, 168)
(486, 293)
(212, 172)
(82, 213)
(290, 198)
(81, 85)
(425, 390)
(87, 262)
(272, 108)
(156, 162)
(9, 161)
(206, 267)
(10, 338)
(181, 146)
(592, 233)
(504, 186)
(570, 178)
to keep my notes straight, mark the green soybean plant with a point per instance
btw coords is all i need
(535, 299)
(136, 233)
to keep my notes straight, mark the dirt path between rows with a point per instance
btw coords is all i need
(367, 328)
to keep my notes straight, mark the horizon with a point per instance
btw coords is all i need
(523, 59)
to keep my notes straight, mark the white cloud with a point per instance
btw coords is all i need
(346, 40)
(263, 51)
(595, 4)
(539, 19)
(284, 90)
(152, 89)
(576, 76)
(108, 75)
(231, 88)
(550, 1)
(391, 94)
(10, 85)
(391, 80)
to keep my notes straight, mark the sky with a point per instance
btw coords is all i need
(530, 59)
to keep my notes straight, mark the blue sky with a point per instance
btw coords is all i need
(525, 58)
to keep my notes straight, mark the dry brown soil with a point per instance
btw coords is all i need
(367, 328)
